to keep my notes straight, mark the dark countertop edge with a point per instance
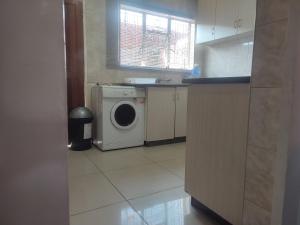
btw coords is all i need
(218, 80)
(154, 85)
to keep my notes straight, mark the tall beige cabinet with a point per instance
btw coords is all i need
(166, 112)
(216, 147)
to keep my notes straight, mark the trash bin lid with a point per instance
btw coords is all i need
(81, 113)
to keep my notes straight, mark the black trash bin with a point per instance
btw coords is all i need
(80, 129)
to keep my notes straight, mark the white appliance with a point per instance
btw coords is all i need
(119, 116)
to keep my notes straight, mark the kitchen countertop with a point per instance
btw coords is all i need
(217, 80)
(155, 85)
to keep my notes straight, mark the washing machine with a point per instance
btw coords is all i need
(118, 117)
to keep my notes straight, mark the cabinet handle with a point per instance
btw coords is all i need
(235, 24)
(174, 97)
(240, 23)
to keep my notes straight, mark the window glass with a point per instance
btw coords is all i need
(154, 40)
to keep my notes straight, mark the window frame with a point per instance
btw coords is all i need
(169, 17)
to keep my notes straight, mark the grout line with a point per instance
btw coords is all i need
(157, 163)
(153, 162)
(271, 149)
(155, 193)
(266, 87)
(141, 217)
(247, 151)
(94, 209)
(167, 169)
(259, 25)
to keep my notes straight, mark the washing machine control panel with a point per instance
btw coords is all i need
(123, 92)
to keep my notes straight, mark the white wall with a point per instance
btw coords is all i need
(95, 50)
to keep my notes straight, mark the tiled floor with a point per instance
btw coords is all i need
(139, 186)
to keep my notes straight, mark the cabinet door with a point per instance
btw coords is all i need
(160, 113)
(226, 17)
(206, 21)
(247, 15)
(181, 111)
(216, 147)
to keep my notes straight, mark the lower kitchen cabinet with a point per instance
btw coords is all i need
(160, 113)
(181, 112)
(166, 111)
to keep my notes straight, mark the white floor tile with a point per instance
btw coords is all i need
(143, 180)
(80, 165)
(176, 166)
(90, 192)
(117, 214)
(75, 154)
(119, 159)
(165, 152)
(169, 208)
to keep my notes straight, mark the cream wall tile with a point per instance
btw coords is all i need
(271, 10)
(269, 55)
(264, 117)
(260, 176)
(88, 94)
(95, 44)
(226, 59)
(254, 215)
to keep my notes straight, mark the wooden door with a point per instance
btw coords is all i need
(74, 52)
(181, 111)
(160, 113)
(206, 20)
(226, 18)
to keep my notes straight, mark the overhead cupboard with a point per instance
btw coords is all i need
(218, 19)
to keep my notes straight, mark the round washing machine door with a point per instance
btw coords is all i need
(123, 115)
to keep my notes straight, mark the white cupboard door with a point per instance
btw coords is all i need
(226, 18)
(160, 113)
(206, 21)
(247, 16)
(181, 111)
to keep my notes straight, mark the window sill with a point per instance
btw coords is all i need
(151, 70)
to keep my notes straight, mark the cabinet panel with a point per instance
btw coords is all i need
(160, 113)
(206, 20)
(216, 147)
(226, 16)
(181, 111)
(247, 16)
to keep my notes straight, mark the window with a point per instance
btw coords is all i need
(154, 40)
